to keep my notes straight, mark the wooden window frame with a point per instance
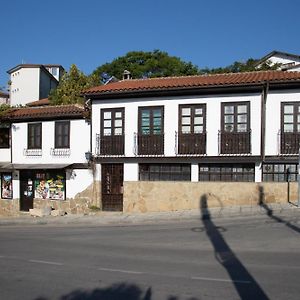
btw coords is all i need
(151, 108)
(65, 142)
(5, 132)
(235, 116)
(274, 174)
(113, 118)
(37, 139)
(192, 107)
(295, 116)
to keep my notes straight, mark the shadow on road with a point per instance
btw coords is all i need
(120, 291)
(245, 285)
(269, 211)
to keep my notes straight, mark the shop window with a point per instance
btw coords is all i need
(226, 172)
(280, 172)
(6, 186)
(164, 172)
(62, 134)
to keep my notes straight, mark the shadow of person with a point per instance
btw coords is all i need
(245, 285)
(270, 213)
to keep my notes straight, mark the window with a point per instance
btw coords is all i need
(35, 136)
(164, 172)
(6, 186)
(192, 119)
(151, 120)
(62, 134)
(280, 172)
(4, 135)
(112, 122)
(236, 117)
(290, 116)
(226, 172)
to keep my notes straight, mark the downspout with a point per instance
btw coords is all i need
(263, 120)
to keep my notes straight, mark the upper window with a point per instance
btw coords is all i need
(151, 120)
(192, 119)
(236, 117)
(62, 134)
(112, 122)
(4, 135)
(290, 116)
(35, 136)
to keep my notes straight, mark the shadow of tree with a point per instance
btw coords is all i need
(261, 203)
(118, 291)
(245, 285)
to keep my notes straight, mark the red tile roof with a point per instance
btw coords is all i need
(187, 82)
(41, 102)
(45, 112)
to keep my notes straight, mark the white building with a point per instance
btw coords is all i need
(31, 82)
(44, 161)
(242, 127)
(286, 61)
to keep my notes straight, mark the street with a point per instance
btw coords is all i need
(254, 257)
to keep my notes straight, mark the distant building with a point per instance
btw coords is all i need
(32, 82)
(4, 98)
(287, 61)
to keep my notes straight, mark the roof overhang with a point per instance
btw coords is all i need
(10, 166)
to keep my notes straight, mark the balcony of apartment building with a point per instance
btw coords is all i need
(234, 142)
(190, 144)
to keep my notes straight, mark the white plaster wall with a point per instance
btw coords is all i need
(77, 181)
(5, 155)
(16, 184)
(131, 171)
(282, 59)
(171, 104)
(273, 117)
(24, 86)
(79, 143)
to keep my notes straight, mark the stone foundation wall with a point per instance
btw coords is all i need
(171, 196)
(9, 208)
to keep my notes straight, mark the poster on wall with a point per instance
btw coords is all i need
(6, 186)
(52, 188)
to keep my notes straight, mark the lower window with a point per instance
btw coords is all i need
(6, 186)
(280, 172)
(164, 172)
(226, 172)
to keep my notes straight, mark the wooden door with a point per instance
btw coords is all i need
(26, 190)
(112, 187)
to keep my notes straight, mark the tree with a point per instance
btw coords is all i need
(70, 87)
(145, 65)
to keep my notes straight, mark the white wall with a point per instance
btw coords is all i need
(171, 109)
(282, 59)
(24, 86)
(79, 143)
(273, 117)
(5, 155)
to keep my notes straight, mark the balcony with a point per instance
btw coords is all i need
(149, 145)
(234, 142)
(191, 144)
(109, 145)
(289, 143)
(61, 152)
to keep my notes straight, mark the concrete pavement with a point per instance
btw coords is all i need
(110, 218)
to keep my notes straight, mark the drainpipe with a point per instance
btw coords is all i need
(263, 120)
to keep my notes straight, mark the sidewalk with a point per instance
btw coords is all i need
(119, 218)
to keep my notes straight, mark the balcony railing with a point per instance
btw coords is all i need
(289, 142)
(235, 142)
(109, 145)
(149, 144)
(62, 152)
(32, 152)
(190, 143)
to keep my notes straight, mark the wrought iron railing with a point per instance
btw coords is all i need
(32, 152)
(109, 145)
(190, 143)
(60, 152)
(152, 145)
(289, 142)
(234, 142)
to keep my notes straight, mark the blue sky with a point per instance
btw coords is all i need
(88, 33)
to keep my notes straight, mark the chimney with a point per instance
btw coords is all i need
(126, 75)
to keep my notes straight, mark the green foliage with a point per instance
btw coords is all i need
(147, 64)
(70, 87)
(4, 108)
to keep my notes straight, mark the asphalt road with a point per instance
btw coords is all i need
(234, 258)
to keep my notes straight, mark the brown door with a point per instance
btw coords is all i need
(26, 190)
(112, 187)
